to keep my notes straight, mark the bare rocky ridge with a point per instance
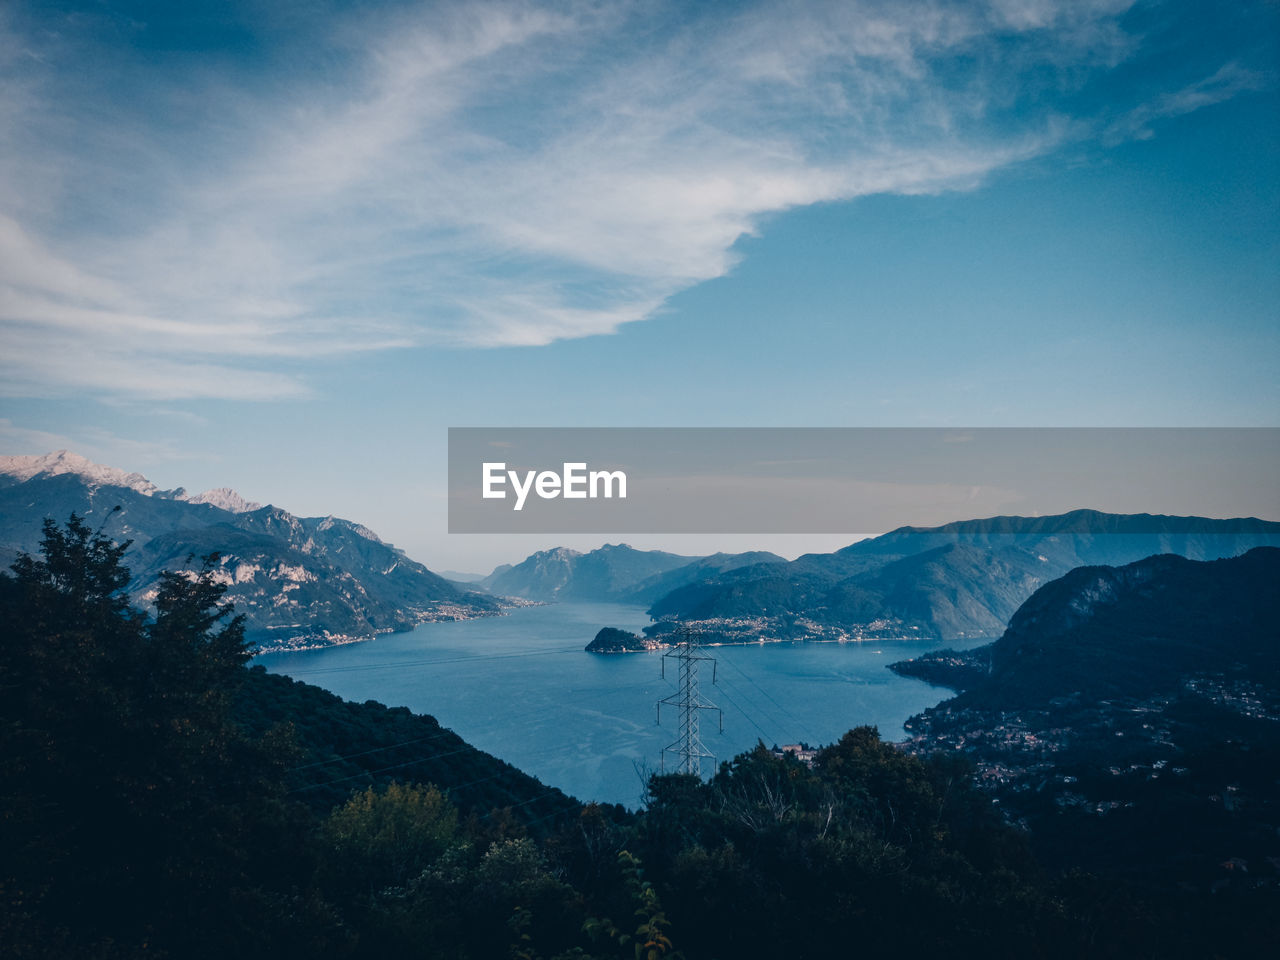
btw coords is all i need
(300, 582)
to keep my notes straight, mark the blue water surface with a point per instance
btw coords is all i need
(522, 688)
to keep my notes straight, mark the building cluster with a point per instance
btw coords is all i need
(800, 751)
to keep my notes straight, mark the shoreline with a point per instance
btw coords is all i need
(344, 639)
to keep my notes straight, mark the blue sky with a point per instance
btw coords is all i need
(283, 246)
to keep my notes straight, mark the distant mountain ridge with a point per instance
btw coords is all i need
(300, 582)
(459, 576)
(960, 580)
(62, 462)
(614, 572)
(717, 564)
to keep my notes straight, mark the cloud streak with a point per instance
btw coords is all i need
(478, 175)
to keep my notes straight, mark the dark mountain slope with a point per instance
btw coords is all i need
(1131, 717)
(1141, 628)
(344, 746)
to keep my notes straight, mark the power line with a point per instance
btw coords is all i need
(730, 689)
(689, 705)
(472, 783)
(688, 748)
(751, 720)
(764, 692)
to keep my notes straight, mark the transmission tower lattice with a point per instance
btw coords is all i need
(689, 704)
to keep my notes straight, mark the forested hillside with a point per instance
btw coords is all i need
(161, 800)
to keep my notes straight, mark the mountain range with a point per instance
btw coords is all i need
(299, 581)
(315, 581)
(961, 580)
(616, 573)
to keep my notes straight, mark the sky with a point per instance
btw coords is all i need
(283, 246)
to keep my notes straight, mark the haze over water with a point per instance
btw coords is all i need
(522, 688)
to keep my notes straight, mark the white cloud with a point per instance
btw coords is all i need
(478, 174)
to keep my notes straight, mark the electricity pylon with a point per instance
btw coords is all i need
(688, 748)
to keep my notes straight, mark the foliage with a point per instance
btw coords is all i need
(774, 857)
(650, 940)
(134, 803)
(159, 799)
(343, 746)
(386, 836)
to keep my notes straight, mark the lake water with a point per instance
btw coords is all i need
(522, 688)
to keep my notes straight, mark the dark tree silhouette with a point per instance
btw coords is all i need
(124, 777)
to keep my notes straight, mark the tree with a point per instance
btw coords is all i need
(386, 837)
(131, 794)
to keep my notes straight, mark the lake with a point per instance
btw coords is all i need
(522, 688)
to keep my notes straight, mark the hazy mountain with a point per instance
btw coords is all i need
(457, 576)
(718, 564)
(299, 581)
(614, 572)
(610, 572)
(960, 580)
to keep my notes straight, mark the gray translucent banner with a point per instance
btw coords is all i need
(845, 480)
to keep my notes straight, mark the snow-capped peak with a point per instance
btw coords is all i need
(59, 462)
(64, 461)
(224, 498)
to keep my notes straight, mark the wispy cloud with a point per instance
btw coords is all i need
(25, 440)
(500, 173)
(97, 444)
(1231, 80)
